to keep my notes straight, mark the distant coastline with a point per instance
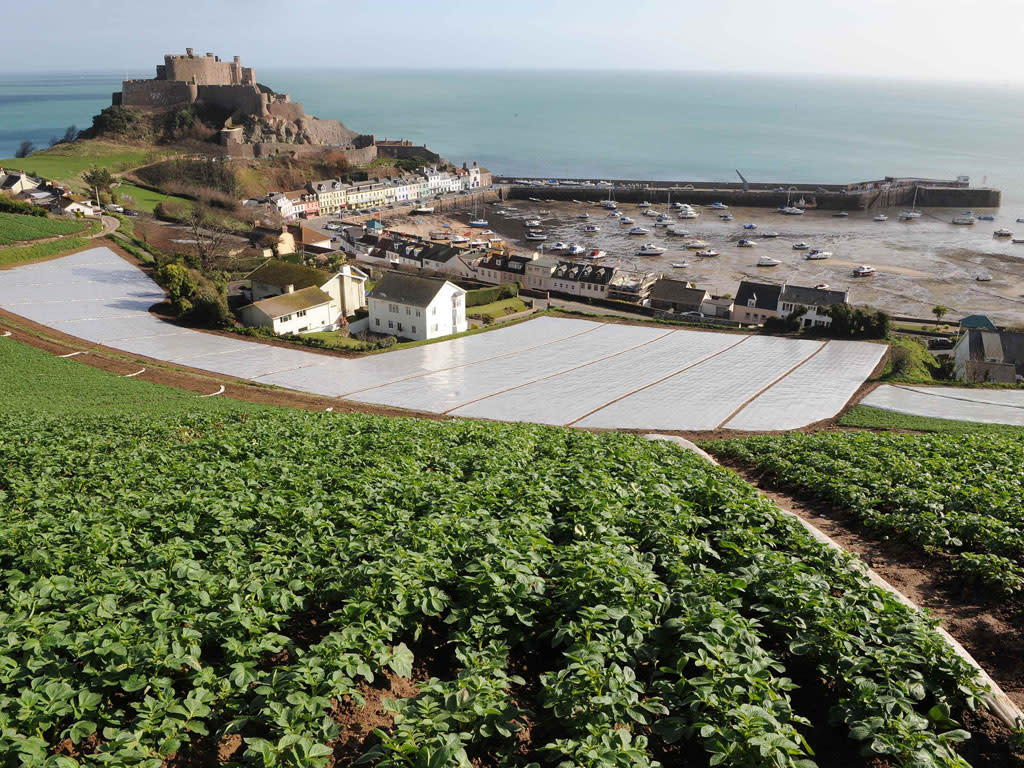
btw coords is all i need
(624, 125)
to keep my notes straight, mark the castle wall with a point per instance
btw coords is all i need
(156, 94)
(206, 70)
(286, 110)
(233, 97)
(407, 152)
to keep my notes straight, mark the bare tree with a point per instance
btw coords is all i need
(70, 133)
(25, 149)
(209, 234)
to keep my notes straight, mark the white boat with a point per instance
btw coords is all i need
(768, 261)
(625, 220)
(595, 254)
(745, 243)
(881, 217)
(583, 215)
(707, 253)
(536, 236)
(821, 287)
(1002, 232)
(651, 212)
(688, 214)
(674, 230)
(727, 217)
(816, 254)
(1018, 240)
(560, 246)
(718, 206)
(908, 215)
(639, 231)
(768, 234)
(478, 243)
(650, 249)
(840, 214)
(459, 239)
(679, 265)
(532, 223)
(440, 234)
(964, 220)
(576, 250)
(983, 277)
(790, 210)
(478, 222)
(543, 212)
(591, 228)
(1020, 219)
(696, 245)
(864, 270)
(609, 203)
(801, 246)
(661, 223)
(423, 209)
(613, 215)
(644, 204)
(750, 226)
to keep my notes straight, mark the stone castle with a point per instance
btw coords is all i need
(257, 120)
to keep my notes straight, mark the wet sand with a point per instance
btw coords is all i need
(920, 263)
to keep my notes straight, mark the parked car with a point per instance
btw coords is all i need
(940, 342)
(130, 212)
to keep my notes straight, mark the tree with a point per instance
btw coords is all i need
(98, 180)
(25, 149)
(70, 133)
(939, 310)
(209, 234)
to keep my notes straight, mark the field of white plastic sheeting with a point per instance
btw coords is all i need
(547, 370)
(989, 406)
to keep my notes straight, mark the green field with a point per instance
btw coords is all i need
(866, 417)
(185, 582)
(49, 249)
(15, 227)
(66, 162)
(146, 199)
(33, 382)
(497, 309)
(958, 496)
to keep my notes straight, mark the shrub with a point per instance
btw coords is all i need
(11, 205)
(177, 281)
(209, 309)
(480, 296)
(170, 210)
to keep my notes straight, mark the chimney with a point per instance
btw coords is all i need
(289, 288)
(188, 52)
(238, 59)
(209, 55)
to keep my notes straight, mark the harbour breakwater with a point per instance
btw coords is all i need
(889, 192)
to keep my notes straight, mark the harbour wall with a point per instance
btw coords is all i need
(833, 197)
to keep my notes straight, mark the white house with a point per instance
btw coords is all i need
(416, 307)
(346, 288)
(301, 311)
(815, 301)
(85, 208)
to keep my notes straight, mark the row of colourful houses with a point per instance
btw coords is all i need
(329, 196)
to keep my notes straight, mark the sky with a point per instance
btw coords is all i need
(900, 39)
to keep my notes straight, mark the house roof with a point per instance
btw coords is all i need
(307, 236)
(995, 346)
(407, 289)
(284, 273)
(677, 292)
(286, 303)
(440, 253)
(584, 273)
(812, 297)
(765, 295)
(978, 321)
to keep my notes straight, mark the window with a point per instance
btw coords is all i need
(393, 308)
(378, 321)
(301, 313)
(391, 323)
(414, 329)
(435, 326)
(399, 326)
(418, 313)
(408, 310)
(434, 312)
(284, 318)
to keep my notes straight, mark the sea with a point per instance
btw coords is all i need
(631, 125)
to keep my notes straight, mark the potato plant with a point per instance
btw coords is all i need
(555, 597)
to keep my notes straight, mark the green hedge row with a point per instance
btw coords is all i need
(480, 296)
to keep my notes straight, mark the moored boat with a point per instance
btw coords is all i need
(650, 249)
(864, 270)
(801, 246)
(964, 220)
(707, 253)
(816, 254)
(1002, 232)
(591, 228)
(639, 231)
(768, 261)
(745, 243)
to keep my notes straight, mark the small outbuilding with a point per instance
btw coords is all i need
(677, 296)
(981, 355)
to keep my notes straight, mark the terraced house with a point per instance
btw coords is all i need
(331, 194)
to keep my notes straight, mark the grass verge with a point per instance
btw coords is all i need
(866, 417)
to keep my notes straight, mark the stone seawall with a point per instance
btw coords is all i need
(835, 199)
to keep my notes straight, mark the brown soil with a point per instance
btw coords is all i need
(989, 629)
(358, 719)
